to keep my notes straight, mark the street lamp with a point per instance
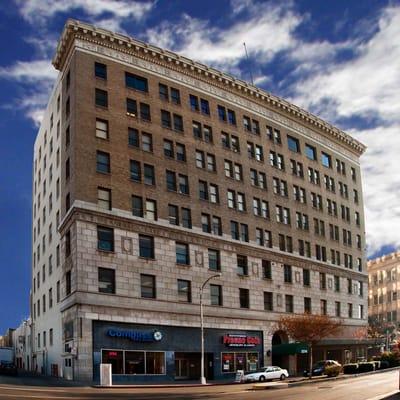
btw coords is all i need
(203, 379)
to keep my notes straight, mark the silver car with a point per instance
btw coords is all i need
(267, 374)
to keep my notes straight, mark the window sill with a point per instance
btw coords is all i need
(243, 275)
(106, 251)
(146, 258)
(183, 265)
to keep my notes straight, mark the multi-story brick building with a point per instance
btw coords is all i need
(162, 172)
(384, 277)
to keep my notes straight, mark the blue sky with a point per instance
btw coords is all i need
(338, 59)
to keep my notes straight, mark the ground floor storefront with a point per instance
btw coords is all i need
(159, 353)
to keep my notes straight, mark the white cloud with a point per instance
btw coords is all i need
(117, 11)
(266, 28)
(30, 71)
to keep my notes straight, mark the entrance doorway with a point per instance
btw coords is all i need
(188, 365)
(280, 360)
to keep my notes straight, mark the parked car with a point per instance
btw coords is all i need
(267, 374)
(320, 367)
(8, 368)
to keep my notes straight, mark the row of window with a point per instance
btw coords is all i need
(42, 340)
(148, 290)
(225, 115)
(41, 306)
(391, 295)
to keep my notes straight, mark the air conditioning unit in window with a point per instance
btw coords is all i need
(131, 114)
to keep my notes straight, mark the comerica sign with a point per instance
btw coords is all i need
(135, 336)
(237, 340)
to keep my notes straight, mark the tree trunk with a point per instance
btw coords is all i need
(311, 359)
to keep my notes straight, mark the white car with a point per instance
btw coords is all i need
(266, 374)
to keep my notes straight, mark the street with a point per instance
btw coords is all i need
(369, 387)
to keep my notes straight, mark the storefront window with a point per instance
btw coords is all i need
(155, 363)
(115, 358)
(228, 362)
(231, 362)
(252, 362)
(134, 362)
(240, 359)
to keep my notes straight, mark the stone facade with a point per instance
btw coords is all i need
(81, 301)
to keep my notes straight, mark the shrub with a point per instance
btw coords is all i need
(391, 357)
(366, 366)
(384, 364)
(350, 368)
(333, 370)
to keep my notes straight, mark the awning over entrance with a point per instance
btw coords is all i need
(289, 349)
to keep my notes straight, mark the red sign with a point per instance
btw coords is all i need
(241, 340)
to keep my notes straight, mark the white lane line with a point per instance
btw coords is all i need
(33, 389)
(25, 396)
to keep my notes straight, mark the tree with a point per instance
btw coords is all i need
(310, 329)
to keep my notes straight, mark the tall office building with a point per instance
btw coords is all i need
(153, 173)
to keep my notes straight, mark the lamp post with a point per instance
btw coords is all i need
(203, 379)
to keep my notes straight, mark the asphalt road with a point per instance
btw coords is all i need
(371, 387)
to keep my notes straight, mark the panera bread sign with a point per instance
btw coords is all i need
(240, 340)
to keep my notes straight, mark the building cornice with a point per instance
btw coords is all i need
(78, 30)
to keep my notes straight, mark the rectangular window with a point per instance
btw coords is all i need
(216, 295)
(103, 162)
(145, 112)
(268, 301)
(106, 280)
(175, 96)
(289, 303)
(184, 291)
(137, 206)
(133, 137)
(287, 273)
(311, 152)
(135, 170)
(131, 107)
(68, 283)
(101, 98)
(101, 128)
(136, 82)
(105, 238)
(146, 246)
(214, 262)
(293, 144)
(171, 180)
(173, 214)
(182, 253)
(148, 286)
(149, 174)
(242, 266)
(151, 210)
(100, 70)
(307, 305)
(186, 218)
(244, 298)
(104, 198)
(326, 160)
(163, 91)
(166, 119)
(306, 277)
(266, 269)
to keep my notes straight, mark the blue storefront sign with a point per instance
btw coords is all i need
(135, 335)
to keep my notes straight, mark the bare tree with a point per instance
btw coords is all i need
(310, 329)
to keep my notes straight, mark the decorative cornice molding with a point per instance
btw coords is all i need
(77, 30)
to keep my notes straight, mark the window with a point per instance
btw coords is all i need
(202, 132)
(163, 91)
(184, 291)
(337, 309)
(136, 174)
(311, 152)
(289, 303)
(151, 210)
(258, 179)
(133, 137)
(287, 273)
(147, 142)
(58, 292)
(104, 198)
(148, 286)
(103, 162)
(149, 175)
(166, 119)
(336, 283)
(350, 310)
(101, 98)
(266, 269)
(216, 226)
(242, 267)
(306, 277)
(277, 160)
(244, 298)
(175, 96)
(297, 168)
(274, 135)
(183, 184)
(216, 295)
(293, 144)
(230, 142)
(204, 107)
(194, 103)
(68, 283)
(145, 112)
(51, 337)
(222, 113)
(214, 262)
(326, 160)
(182, 253)
(131, 107)
(106, 280)
(171, 180)
(101, 128)
(137, 206)
(100, 70)
(206, 223)
(307, 305)
(322, 280)
(268, 301)
(146, 246)
(136, 82)
(173, 214)
(105, 238)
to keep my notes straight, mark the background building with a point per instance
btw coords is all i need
(153, 172)
(383, 303)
